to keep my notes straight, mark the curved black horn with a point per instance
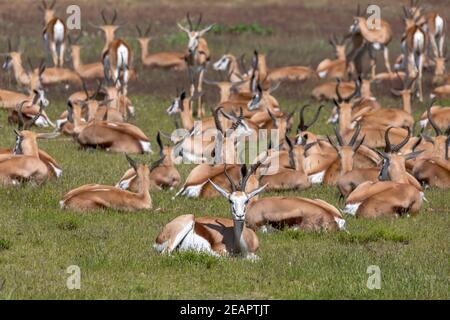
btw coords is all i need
(316, 116)
(338, 136)
(252, 170)
(132, 162)
(104, 17)
(114, 17)
(139, 31)
(188, 17)
(157, 163)
(160, 144)
(233, 185)
(217, 120)
(430, 119)
(338, 94)
(355, 135)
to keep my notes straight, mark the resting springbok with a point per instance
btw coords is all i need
(96, 196)
(43, 76)
(376, 38)
(111, 136)
(374, 133)
(24, 163)
(198, 55)
(163, 173)
(10, 99)
(166, 60)
(291, 177)
(396, 193)
(434, 170)
(213, 235)
(336, 68)
(86, 71)
(54, 33)
(440, 115)
(26, 144)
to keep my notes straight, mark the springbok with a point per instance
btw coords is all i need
(229, 64)
(54, 33)
(109, 29)
(396, 193)
(26, 144)
(10, 99)
(86, 71)
(117, 60)
(215, 236)
(111, 136)
(336, 68)
(292, 177)
(166, 60)
(434, 170)
(441, 91)
(163, 173)
(374, 133)
(96, 196)
(43, 76)
(24, 164)
(376, 38)
(327, 90)
(414, 43)
(197, 55)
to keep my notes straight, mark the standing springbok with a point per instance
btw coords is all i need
(54, 33)
(166, 60)
(96, 196)
(215, 236)
(198, 55)
(376, 38)
(414, 43)
(117, 60)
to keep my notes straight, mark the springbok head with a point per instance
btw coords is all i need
(144, 35)
(108, 27)
(411, 16)
(302, 129)
(36, 75)
(177, 104)
(357, 20)
(240, 126)
(339, 46)
(11, 56)
(407, 84)
(393, 159)
(142, 170)
(346, 152)
(441, 140)
(239, 199)
(194, 33)
(344, 105)
(223, 63)
(48, 9)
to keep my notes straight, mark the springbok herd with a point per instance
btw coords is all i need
(375, 160)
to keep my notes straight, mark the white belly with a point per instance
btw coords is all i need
(423, 123)
(194, 242)
(193, 191)
(146, 146)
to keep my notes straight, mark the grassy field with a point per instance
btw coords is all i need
(114, 250)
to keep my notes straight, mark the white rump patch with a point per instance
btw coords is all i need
(58, 171)
(146, 146)
(423, 123)
(351, 208)
(340, 222)
(122, 53)
(439, 24)
(419, 40)
(323, 74)
(58, 31)
(193, 191)
(317, 178)
(125, 184)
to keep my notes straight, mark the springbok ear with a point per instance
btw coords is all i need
(257, 191)
(183, 28)
(207, 29)
(219, 189)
